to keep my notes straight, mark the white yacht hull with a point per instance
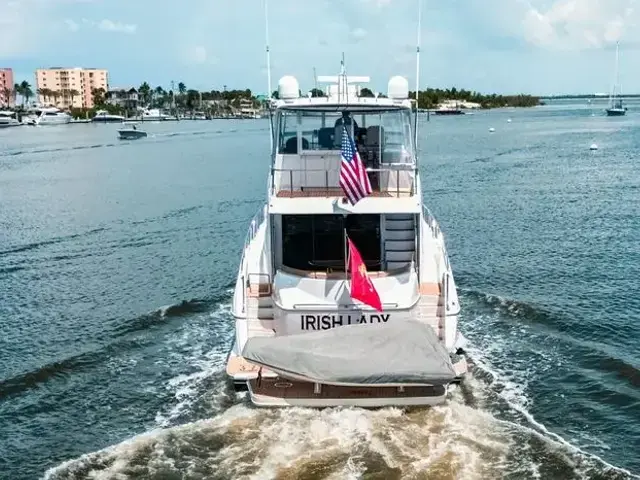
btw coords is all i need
(14, 123)
(277, 391)
(57, 120)
(317, 323)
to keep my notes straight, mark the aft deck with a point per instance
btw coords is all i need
(328, 192)
(284, 392)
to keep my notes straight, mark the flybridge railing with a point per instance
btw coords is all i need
(393, 180)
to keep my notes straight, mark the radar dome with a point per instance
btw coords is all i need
(398, 88)
(288, 87)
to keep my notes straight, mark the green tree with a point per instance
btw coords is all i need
(26, 92)
(366, 92)
(316, 92)
(98, 96)
(73, 93)
(145, 92)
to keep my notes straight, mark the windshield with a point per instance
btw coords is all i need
(386, 134)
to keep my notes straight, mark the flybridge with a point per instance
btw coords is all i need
(343, 90)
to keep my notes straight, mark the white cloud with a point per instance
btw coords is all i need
(578, 24)
(15, 38)
(358, 34)
(71, 25)
(198, 55)
(377, 3)
(26, 24)
(111, 26)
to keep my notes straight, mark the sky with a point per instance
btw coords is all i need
(493, 46)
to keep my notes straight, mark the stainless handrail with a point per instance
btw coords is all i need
(446, 291)
(432, 222)
(436, 232)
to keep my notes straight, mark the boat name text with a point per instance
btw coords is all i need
(325, 322)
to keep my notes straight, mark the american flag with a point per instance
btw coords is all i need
(353, 176)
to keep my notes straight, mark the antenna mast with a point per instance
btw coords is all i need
(269, 91)
(342, 83)
(415, 129)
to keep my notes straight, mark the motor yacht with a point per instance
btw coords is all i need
(302, 335)
(49, 116)
(9, 119)
(105, 117)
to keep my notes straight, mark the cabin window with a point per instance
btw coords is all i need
(383, 135)
(287, 132)
(317, 242)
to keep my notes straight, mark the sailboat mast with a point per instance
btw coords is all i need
(614, 87)
(617, 86)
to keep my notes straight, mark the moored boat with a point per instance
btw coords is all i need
(616, 108)
(9, 119)
(103, 116)
(344, 293)
(49, 116)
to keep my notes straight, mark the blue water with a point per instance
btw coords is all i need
(116, 266)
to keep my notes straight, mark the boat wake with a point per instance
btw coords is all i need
(455, 440)
(208, 431)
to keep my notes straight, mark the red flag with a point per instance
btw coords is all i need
(361, 286)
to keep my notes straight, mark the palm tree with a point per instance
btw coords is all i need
(72, 94)
(56, 95)
(182, 88)
(145, 91)
(17, 90)
(26, 92)
(160, 94)
(42, 92)
(64, 93)
(98, 96)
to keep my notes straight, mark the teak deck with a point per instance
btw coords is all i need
(284, 388)
(336, 192)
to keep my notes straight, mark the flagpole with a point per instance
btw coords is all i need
(346, 253)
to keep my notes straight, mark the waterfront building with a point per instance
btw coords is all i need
(7, 98)
(70, 87)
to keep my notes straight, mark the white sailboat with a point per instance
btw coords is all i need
(615, 108)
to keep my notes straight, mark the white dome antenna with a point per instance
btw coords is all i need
(288, 88)
(398, 88)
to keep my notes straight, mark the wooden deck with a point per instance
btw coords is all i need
(238, 364)
(307, 192)
(283, 388)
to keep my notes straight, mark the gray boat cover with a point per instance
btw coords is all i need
(399, 353)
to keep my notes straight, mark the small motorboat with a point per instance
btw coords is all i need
(131, 133)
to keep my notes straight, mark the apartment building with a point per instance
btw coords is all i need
(6, 88)
(70, 87)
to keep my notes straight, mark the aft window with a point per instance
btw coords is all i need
(317, 242)
(384, 135)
